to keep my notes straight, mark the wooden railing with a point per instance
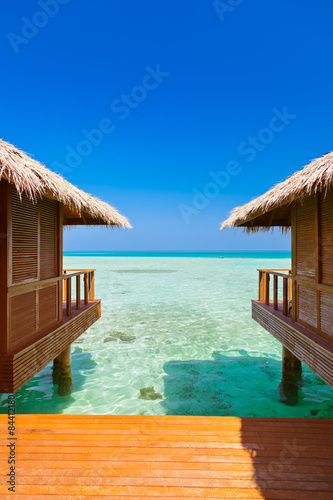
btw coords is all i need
(264, 288)
(88, 287)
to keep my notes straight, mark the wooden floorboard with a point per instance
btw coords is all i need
(122, 457)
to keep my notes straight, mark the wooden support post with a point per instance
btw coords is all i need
(56, 361)
(65, 376)
(260, 287)
(5, 207)
(78, 292)
(65, 363)
(60, 268)
(288, 364)
(267, 289)
(275, 292)
(56, 369)
(297, 364)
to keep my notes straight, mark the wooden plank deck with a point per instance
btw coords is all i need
(169, 457)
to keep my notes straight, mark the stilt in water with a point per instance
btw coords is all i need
(62, 372)
(56, 370)
(291, 373)
(288, 364)
(297, 365)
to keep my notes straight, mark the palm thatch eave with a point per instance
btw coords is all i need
(256, 215)
(33, 178)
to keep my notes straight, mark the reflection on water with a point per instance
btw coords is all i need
(185, 335)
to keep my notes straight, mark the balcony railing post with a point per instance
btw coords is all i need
(86, 291)
(69, 297)
(78, 292)
(260, 287)
(285, 296)
(89, 285)
(92, 285)
(294, 300)
(275, 292)
(65, 288)
(267, 289)
(289, 289)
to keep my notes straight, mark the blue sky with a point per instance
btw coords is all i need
(174, 112)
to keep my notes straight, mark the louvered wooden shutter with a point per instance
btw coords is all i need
(48, 297)
(306, 261)
(48, 238)
(305, 238)
(24, 238)
(326, 241)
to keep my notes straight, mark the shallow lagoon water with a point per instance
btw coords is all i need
(186, 331)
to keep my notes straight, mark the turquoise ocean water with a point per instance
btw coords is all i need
(186, 330)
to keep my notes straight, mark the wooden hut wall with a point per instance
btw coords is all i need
(313, 263)
(35, 255)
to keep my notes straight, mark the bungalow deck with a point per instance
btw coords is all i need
(169, 457)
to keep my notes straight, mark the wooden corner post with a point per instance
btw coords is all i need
(4, 333)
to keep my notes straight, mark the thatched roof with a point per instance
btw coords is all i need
(36, 180)
(273, 208)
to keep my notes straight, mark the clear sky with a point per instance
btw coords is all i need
(172, 111)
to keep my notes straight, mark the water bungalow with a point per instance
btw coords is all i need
(300, 313)
(43, 308)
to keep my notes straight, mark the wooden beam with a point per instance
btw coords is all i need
(80, 222)
(272, 216)
(275, 223)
